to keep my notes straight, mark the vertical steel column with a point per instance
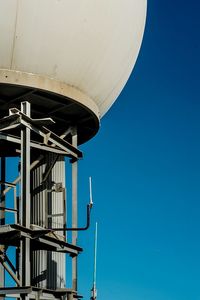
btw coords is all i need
(74, 209)
(2, 217)
(25, 197)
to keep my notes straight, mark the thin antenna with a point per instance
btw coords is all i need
(94, 289)
(90, 186)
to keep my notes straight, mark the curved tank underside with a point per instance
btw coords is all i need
(65, 111)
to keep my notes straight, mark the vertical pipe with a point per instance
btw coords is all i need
(25, 168)
(94, 289)
(2, 199)
(2, 216)
(95, 257)
(74, 210)
(25, 196)
(15, 203)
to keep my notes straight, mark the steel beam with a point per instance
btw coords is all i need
(2, 217)
(17, 118)
(17, 180)
(15, 291)
(43, 238)
(10, 272)
(25, 197)
(74, 210)
(37, 293)
(33, 144)
(6, 259)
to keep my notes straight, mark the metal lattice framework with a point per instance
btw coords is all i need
(32, 140)
(66, 112)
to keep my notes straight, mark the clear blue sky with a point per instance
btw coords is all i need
(145, 164)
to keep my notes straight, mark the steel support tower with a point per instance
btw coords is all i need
(33, 215)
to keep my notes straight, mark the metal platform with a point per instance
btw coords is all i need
(65, 111)
(44, 239)
(41, 135)
(36, 293)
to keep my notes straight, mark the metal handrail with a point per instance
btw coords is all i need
(89, 207)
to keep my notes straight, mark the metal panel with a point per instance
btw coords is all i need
(96, 27)
(7, 31)
(47, 211)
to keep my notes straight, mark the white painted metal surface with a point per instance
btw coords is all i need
(88, 45)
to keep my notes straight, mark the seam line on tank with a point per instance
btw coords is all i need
(14, 37)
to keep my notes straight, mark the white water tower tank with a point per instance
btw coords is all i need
(69, 58)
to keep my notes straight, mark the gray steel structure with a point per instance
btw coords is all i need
(38, 230)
